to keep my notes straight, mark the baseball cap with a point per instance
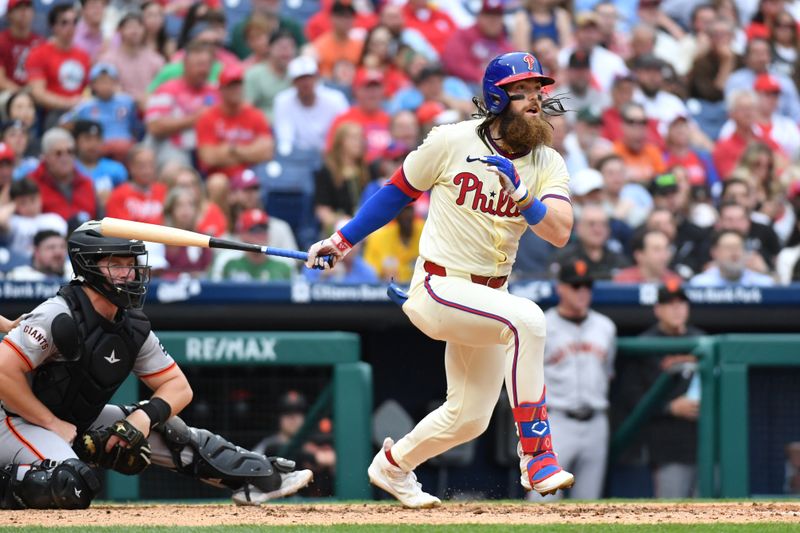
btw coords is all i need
(586, 18)
(252, 220)
(793, 191)
(575, 272)
(366, 77)
(589, 116)
(302, 66)
(428, 111)
(246, 179)
(585, 181)
(671, 291)
(579, 59)
(6, 153)
(103, 68)
(13, 4)
(766, 84)
(664, 184)
(648, 62)
(230, 75)
(292, 402)
(492, 6)
(87, 127)
(343, 8)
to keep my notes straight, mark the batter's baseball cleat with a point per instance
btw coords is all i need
(291, 482)
(397, 482)
(542, 474)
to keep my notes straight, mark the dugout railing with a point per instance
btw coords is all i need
(349, 393)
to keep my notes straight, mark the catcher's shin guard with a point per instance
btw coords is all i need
(69, 484)
(217, 461)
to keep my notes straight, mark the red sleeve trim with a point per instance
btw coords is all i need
(557, 196)
(400, 181)
(158, 373)
(18, 351)
(344, 239)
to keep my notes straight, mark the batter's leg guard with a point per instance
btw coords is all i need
(217, 461)
(70, 484)
(535, 443)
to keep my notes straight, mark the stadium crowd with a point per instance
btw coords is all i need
(273, 122)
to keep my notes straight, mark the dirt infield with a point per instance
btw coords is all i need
(451, 513)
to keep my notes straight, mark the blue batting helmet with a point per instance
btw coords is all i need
(505, 69)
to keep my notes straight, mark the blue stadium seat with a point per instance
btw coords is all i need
(40, 10)
(288, 185)
(235, 12)
(289, 173)
(299, 10)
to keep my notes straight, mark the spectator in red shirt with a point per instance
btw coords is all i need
(367, 111)
(679, 152)
(58, 71)
(435, 25)
(65, 191)
(142, 197)
(469, 50)
(231, 136)
(174, 108)
(742, 110)
(622, 94)
(652, 254)
(16, 43)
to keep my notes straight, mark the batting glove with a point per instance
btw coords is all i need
(531, 208)
(323, 255)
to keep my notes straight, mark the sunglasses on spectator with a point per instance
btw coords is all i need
(583, 285)
(62, 153)
(217, 44)
(68, 22)
(636, 122)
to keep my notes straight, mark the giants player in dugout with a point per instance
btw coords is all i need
(491, 179)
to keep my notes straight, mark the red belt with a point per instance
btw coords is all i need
(493, 282)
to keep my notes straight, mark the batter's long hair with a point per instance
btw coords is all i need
(551, 106)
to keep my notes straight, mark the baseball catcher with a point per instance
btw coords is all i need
(62, 363)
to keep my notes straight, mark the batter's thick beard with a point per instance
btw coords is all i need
(521, 134)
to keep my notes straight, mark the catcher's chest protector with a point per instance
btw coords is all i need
(77, 390)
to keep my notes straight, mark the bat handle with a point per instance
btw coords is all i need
(291, 254)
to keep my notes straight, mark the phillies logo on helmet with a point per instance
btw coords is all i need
(530, 60)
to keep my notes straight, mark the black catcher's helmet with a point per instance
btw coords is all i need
(86, 246)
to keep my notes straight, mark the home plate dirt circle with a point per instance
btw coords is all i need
(450, 513)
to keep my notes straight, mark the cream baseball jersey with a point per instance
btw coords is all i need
(473, 226)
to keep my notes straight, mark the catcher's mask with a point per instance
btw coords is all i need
(87, 246)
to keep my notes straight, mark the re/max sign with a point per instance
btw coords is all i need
(234, 349)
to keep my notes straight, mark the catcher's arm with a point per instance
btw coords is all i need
(172, 387)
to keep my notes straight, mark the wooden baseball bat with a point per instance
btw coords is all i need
(128, 229)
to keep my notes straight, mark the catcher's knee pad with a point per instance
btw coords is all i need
(215, 458)
(70, 484)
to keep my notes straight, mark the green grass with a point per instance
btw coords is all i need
(459, 528)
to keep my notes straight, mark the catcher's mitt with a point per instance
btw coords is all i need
(91, 448)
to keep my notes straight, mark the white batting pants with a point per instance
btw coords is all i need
(491, 336)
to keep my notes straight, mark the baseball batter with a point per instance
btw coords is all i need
(64, 361)
(491, 180)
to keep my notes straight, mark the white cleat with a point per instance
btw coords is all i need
(560, 480)
(290, 484)
(400, 484)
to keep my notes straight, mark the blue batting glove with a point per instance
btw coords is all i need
(509, 179)
(531, 208)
